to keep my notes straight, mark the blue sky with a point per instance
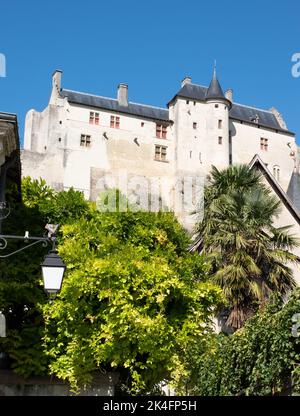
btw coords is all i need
(151, 46)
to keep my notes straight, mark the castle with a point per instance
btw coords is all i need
(79, 138)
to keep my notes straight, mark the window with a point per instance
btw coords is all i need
(142, 124)
(160, 153)
(264, 144)
(94, 118)
(194, 102)
(220, 140)
(115, 122)
(276, 172)
(191, 153)
(216, 105)
(194, 125)
(220, 124)
(187, 101)
(85, 140)
(161, 131)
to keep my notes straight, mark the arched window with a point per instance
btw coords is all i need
(276, 172)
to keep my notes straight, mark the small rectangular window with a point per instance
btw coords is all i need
(264, 144)
(160, 153)
(194, 125)
(161, 131)
(142, 124)
(85, 140)
(158, 130)
(220, 140)
(220, 124)
(94, 117)
(187, 101)
(114, 122)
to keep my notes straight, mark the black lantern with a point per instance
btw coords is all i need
(53, 269)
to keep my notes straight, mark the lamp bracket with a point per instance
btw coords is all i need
(35, 240)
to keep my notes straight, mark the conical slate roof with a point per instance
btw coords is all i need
(215, 89)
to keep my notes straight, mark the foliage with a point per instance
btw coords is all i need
(55, 207)
(133, 300)
(21, 288)
(261, 359)
(250, 256)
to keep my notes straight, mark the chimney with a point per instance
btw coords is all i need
(123, 95)
(56, 85)
(229, 95)
(186, 80)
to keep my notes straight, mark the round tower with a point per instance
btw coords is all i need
(218, 146)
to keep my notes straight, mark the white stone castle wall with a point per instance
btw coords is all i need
(246, 143)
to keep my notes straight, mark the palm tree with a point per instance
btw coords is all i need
(250, 257)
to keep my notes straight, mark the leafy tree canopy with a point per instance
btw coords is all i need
(133, 298)
(262, 358)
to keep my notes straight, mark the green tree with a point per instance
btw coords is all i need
(249, 255)
(134, 299)
(262, 358)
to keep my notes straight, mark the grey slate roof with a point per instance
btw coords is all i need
(192, 91)
(293, 191)
(238, 112)
(141, 110)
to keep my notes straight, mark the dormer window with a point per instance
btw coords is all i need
(255, 119)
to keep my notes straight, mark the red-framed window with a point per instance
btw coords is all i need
(161, 131)
(115, 122)
(94, 117)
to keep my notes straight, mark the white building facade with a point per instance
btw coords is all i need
(80, 139)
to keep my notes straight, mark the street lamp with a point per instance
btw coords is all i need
(53, 269)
